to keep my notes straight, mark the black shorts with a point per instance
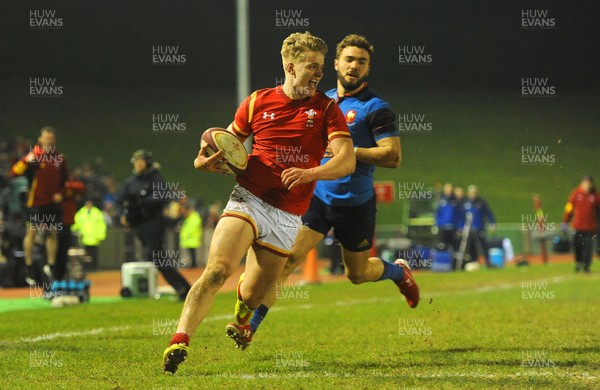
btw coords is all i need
(50, 214)
(354, 226)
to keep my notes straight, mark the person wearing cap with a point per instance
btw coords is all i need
(141, 202)
(582, 209)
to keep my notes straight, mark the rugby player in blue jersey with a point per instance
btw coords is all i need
(348, 204)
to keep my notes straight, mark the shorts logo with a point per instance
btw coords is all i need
(350, 116)
(311, 115)
(268, 115)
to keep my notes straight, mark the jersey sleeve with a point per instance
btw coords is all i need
(382, 123)
(19, 168)
(335, 122)
(569, 208)
(242, 124)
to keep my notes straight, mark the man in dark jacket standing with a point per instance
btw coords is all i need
(446, 218)
(480, 213)
(141, 205)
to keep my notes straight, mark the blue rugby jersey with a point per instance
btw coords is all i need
(369, 119)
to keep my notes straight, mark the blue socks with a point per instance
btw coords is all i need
(259, 314)
(391, 271)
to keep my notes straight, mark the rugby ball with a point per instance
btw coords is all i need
(217, 138)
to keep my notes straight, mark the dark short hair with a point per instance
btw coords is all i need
(354, 40)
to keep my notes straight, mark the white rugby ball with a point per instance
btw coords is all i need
(217, 138)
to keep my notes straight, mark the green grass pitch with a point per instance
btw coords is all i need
(531, 327)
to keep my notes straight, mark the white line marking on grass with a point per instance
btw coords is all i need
(478, 290)
(57, 335)
(472, 375)
(91, 332)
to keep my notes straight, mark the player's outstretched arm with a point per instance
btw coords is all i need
(387, 153)
(341, 164)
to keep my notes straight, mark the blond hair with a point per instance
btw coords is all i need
(297, 44)
(354, 40)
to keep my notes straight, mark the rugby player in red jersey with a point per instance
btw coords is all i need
(348, 204)
(262, 218)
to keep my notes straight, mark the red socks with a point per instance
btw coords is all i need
(180, 338)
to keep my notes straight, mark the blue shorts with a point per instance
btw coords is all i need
(354, 226)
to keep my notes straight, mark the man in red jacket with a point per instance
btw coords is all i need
(583, 207)
(46, 171)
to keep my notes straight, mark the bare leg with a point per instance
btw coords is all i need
(361, 268)
(28, 244)
(306, 240)
(52, 247)
(263, 269)
(224, 257)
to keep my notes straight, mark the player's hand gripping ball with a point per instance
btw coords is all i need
(235, 154)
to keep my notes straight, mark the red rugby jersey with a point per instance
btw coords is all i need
(49, 174)
(287, 133)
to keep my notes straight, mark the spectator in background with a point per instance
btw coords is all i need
(46, 171)
(446, 218)
(74, 190)
(214, 213)
(91, 228)
(142, 208)
(190, 235)
(582, 208)
(540, 230)
(13, 200)
(481, 214)
(93, 182)
(110, 194)
(110, 213)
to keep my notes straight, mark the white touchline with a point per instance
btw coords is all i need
(318, 374)
(478, 290)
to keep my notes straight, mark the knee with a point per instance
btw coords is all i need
(216, 275)
(355, 276)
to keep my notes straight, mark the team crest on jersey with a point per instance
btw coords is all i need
(350, 116)
(311, 114)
